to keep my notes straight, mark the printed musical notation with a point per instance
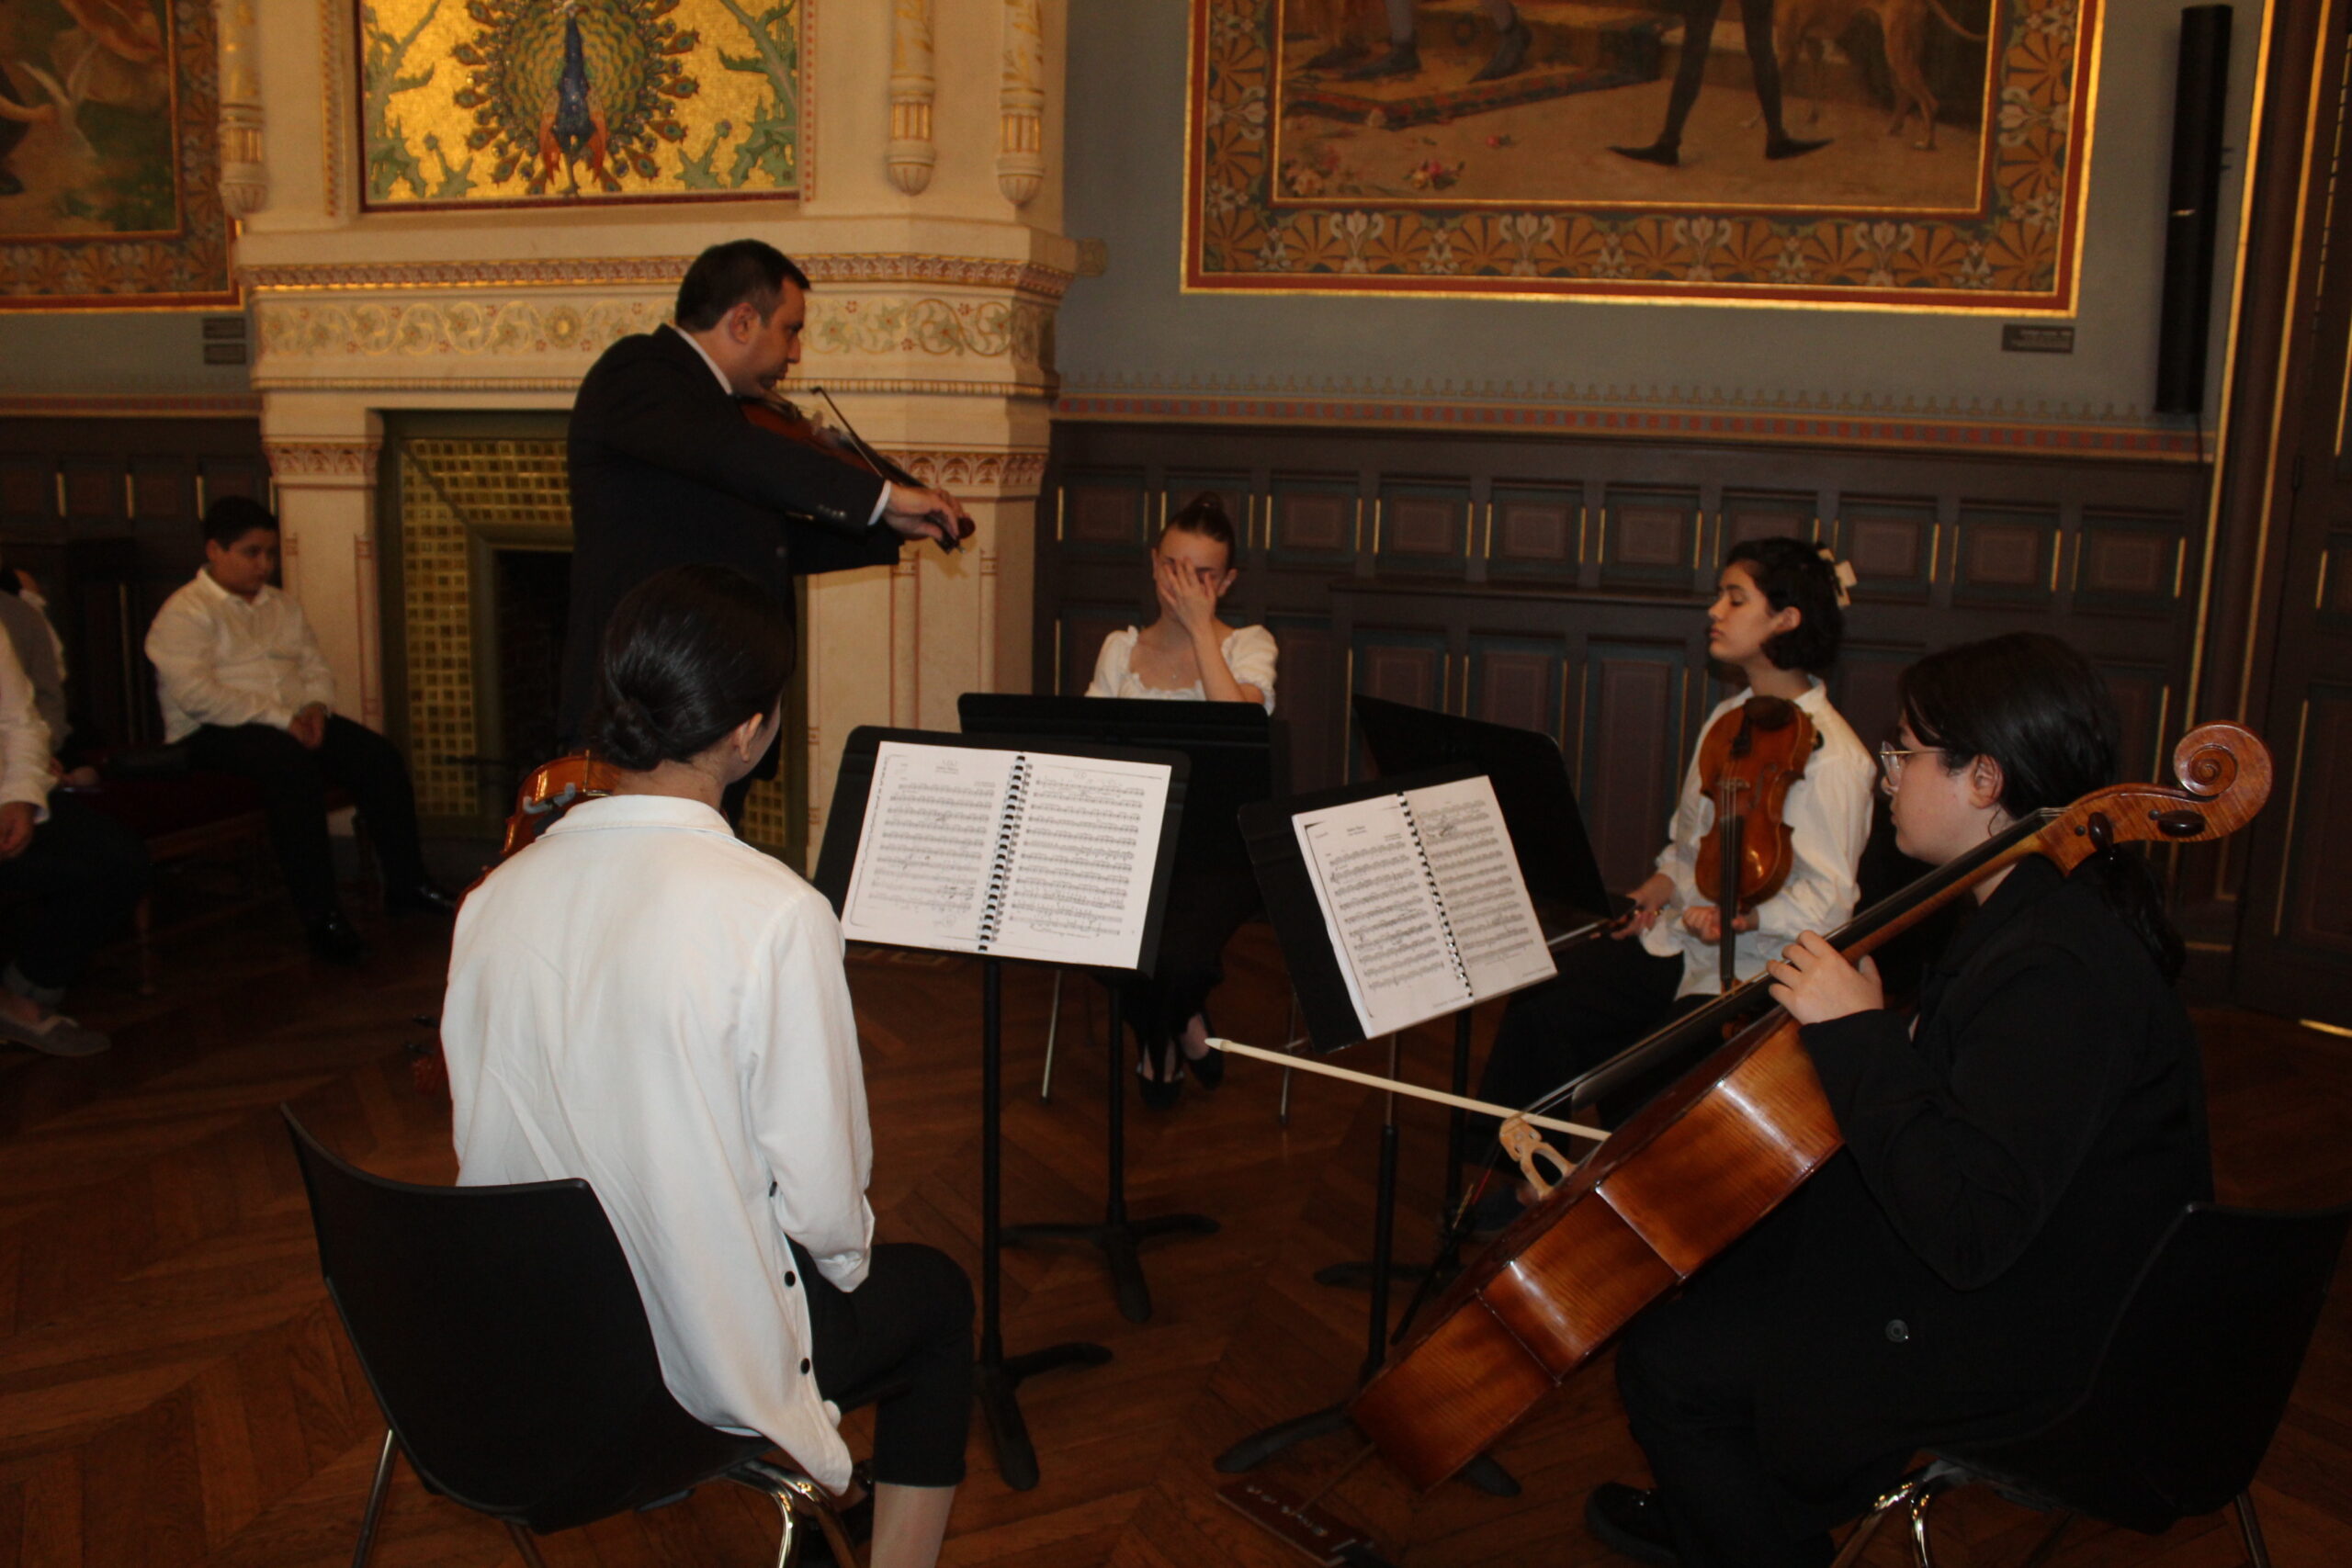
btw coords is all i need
(1422, 894)
(1013, 853)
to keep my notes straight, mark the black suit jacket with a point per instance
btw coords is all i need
(1950, 1274)
(665, 471)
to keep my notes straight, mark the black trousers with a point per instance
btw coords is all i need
(1608, 994)
(1207, 904)
(1697, 36)
(294, 780)
(909, 1327)
(84, 872)
(1687, 1371)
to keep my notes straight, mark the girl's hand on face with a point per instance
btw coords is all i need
(1190, 603)
(1815, 983)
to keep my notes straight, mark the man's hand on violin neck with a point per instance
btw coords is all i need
(923, 514)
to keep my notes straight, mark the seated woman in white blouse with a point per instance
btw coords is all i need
(643, 1000)
(1188, 654)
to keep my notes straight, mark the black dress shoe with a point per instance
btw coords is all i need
(422, 898)
(1207, 1069)
(334, 939)
(1511, 53)
(1402, 60)
(1630, 1522)
(1160, 1093)
(1666, 154)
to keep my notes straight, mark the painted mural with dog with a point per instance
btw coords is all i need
(1871, 151)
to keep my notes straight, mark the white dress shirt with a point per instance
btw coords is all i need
(1828, 815)
(643, 1000)
(1249, 652)
(222, 658)
(24, 739)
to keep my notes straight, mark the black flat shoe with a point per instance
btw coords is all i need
(422, 898)
(1160, 1093)
(1631, 1522)
(334, 939)
(1208, 1068)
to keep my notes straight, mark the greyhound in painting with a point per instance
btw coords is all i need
(1807, 26)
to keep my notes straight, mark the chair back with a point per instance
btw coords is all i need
(2196, 1374)
(502, 1334)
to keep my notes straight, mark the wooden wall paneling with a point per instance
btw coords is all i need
(2144, 701)
(28, 492)
(217, 476)
(1634, 701)
(96, 490)
(1423, 527)
(1233, 492)
(1892, 544)
(1398, 666)
(1765, 514)
(2006, 556)
(2309, 910)
(1311, 693)
(1520, 682)
(1649, 537)
(1862, 689)
(2134, 562)
(163, 491)
(1535, 532)
(1314, 520)
(1080, 630)
(1101, 514)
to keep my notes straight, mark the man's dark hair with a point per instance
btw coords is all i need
(689, 654)
(1791, 572)
(741, 272)
(232, 517)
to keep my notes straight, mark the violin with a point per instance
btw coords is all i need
(552, 789)
(780, 416)
(1702, 1165)
(1746, 763)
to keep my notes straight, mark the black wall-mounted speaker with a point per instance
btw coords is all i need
(2200, 100)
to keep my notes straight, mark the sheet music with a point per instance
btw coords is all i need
(1480, 887)
(932, 819)
(1385, 924)
(1081, 863)
(1070, 841)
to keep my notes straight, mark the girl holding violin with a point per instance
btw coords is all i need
(1187, 653)
(641, 999)
(1778, 619)
(2012, 1152)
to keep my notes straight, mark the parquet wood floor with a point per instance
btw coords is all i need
(174, 1389)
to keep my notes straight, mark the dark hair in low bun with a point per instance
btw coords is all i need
(689, 654)
(1791, 572)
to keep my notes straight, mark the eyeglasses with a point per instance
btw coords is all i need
(1892, 757)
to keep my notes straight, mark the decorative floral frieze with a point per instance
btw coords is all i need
(326, 329)
(661, 272)
(322, 460)
(987, 328)
(1015, 471)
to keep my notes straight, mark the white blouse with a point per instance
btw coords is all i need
(643, 1000)
(1828, 815)
(1249, 653)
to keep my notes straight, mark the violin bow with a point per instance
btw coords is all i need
(953, 532)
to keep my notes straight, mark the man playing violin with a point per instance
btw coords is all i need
(666, 471)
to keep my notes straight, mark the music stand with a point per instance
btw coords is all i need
(1332, 1023)
(996, 1377)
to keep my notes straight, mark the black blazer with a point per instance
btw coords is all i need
(665, 471)
(1951, 1273)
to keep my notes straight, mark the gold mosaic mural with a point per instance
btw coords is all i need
(454, 490)
(524, 101)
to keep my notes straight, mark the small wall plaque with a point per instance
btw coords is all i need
(218, 329)
(2020, 337)
(224, 354)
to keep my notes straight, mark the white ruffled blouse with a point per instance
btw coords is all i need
(1249, 653)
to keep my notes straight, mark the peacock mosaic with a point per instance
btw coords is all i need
(503, 102)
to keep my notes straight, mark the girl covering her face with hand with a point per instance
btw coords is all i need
(1187, 653)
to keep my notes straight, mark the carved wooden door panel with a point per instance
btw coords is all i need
(2295, 923)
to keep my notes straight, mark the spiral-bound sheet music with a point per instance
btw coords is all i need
(1427, 909)
(1018, 854)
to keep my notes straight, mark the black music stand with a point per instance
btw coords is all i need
(1237, 754)
(1331, 1022)
(1539, 805)
(998, 1376)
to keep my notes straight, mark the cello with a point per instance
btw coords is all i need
(1702, 1165)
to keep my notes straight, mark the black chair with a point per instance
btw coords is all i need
(503, 1335)
(2187, 1395)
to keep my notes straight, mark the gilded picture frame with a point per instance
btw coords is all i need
(1554, 148)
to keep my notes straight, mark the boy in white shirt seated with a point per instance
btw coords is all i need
(241, 680)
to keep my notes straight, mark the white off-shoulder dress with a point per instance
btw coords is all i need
(1249, 653)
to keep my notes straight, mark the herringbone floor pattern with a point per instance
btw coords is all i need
(174, 1389)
